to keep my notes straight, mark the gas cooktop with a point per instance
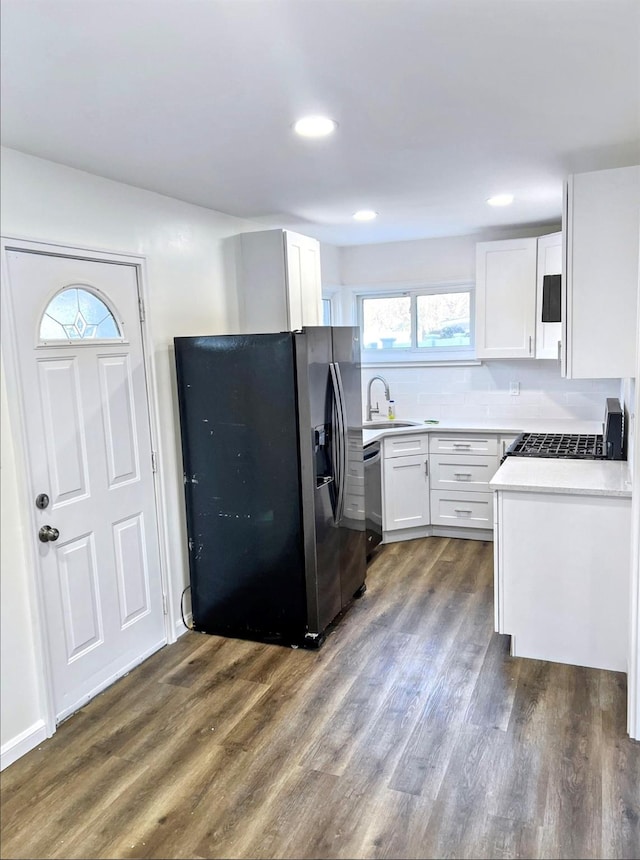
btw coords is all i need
(568, 446)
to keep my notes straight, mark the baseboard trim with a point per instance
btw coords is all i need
(437, 531)
(180, 628)
(22, 744)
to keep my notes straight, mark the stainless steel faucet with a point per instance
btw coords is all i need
(376, 409)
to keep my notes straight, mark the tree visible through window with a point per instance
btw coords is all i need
(386, 322)
(444, 319)
(430, 319)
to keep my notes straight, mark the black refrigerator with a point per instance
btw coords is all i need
(271, 430)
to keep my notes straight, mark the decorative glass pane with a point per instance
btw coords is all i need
(77, 314)
(386, 323)
(108, 328)
(444, 320)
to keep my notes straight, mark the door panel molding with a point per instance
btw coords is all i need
(17, 423)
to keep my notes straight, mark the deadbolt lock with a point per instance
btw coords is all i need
(42, 501)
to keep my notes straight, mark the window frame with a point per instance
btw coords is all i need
(332, 295)
(416, 355)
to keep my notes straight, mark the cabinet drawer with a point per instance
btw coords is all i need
(463, 443)
(468, 473)
(399, 446)
(470, 510)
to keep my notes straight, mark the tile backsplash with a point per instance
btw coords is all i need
(483, 392)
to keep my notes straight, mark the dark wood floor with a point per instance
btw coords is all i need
(411, 733)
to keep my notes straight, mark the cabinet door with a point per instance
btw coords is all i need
(548, 334)
(506, 298)
(406, 492)
(601, 223)
(279, 286)
(304, 288)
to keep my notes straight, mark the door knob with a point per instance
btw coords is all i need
(48, 533)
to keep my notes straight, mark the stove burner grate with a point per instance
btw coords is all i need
(571, 446)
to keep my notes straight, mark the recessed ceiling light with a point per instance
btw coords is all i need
(500, 200)
(364, 215)
(315, 126)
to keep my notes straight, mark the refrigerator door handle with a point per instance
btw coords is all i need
(345, 450)
(338, 436)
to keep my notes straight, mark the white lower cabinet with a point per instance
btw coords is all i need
(468, 510)
(561, 588)
(406, 492)
(461, 467)
(438, 484)
(461, 473)
(463, 443)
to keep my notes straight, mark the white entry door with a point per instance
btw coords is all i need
(82, 377)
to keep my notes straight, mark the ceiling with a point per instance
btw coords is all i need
(440, 104)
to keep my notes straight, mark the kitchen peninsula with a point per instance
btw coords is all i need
(561, 560)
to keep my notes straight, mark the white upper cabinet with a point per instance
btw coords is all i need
(506, 298)
(600, 291)
(548, 334)
(278, 281)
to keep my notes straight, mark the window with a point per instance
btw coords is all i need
(78, 314)
(422, 324)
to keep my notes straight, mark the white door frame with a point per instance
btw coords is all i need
(17, 423)
(633, 678)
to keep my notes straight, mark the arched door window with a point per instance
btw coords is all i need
(76, 313)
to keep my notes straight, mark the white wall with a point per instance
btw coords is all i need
(191, 289)
(22, 706)
(482, 392)
(469, 392)
(330, 266)
(421, 260)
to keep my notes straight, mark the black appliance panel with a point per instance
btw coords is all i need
(614, 430)
(551, 298)
(373, 495)
(264, 426)
(319, 496)
(238, 415)
(351, 519)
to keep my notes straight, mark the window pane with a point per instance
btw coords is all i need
(77, 314)
(444, 320)
(386, 323)
(326, 312)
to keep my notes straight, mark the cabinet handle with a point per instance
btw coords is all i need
(426, 468)
(530, 343)
(462, 511)
(462, 474)
(559, 350)
(462, 444)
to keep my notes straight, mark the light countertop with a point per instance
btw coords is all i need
(497, 425)
(569, 477)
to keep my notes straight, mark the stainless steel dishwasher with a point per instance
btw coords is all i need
(373, 495)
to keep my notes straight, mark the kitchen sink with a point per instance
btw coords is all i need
(387, 425)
